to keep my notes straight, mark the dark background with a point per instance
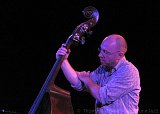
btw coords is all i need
(32, 31)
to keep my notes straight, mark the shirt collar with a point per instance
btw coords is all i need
(117, 66)
(120, 62)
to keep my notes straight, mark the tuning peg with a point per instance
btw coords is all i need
(89, 33)
(82, 40)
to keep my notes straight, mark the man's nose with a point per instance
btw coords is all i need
(100, 54)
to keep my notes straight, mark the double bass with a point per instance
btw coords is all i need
(52, 99)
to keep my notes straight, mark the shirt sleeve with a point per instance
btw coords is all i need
(78, 87)
(121, 83)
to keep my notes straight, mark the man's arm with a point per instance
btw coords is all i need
(70, 73)
(67, 69)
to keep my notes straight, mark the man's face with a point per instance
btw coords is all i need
(108, 54)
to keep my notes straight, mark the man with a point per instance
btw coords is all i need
(115, 84)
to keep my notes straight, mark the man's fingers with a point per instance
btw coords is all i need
(83, 73)
(63, 45)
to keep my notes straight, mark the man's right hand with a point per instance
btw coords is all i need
(63, 51)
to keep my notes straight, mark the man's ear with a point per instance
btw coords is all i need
(121, 54)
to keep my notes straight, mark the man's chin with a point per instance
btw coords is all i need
(103, 64)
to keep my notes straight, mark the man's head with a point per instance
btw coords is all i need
(112, 49)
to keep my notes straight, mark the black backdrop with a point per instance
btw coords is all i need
(32, 31)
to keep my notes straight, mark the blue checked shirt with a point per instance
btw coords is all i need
(119, 89)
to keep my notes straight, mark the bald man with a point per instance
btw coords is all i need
(115, 84)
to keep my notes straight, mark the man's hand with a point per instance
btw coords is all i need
(63, 51)
(84, 76)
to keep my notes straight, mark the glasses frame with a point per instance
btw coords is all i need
(106, 51)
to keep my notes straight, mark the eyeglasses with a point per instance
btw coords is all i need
(105, 51)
